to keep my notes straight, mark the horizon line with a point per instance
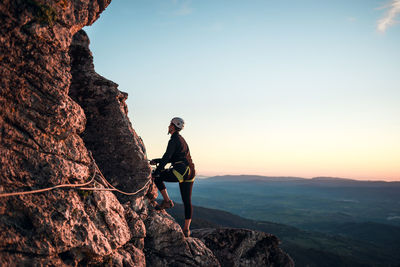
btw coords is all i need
(300, 177)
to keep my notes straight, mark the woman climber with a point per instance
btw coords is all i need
(182, 171)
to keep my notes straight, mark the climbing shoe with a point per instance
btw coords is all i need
(165, 205)
(186, 232)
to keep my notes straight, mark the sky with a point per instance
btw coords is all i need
(276, 88)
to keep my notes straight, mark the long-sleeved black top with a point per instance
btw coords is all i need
(177, 151)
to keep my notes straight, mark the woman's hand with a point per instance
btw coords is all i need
(155, 161)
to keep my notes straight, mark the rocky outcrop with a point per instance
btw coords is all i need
(55, 108)
(242, 247)
(165, 244)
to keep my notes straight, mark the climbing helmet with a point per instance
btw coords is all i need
(178, 122)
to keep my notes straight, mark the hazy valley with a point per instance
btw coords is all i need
(321, 221)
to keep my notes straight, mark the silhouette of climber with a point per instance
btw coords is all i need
(182, 171)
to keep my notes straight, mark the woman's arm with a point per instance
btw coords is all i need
(167, 156)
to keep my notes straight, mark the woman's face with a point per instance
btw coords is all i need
(171, 128)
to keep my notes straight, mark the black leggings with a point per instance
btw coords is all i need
(185, 187)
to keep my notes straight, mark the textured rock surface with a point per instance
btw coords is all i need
(41, 146)
(165, 244)
(242, 247)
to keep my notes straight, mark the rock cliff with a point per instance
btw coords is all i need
(55, 109)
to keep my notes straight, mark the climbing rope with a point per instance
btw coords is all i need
(112, 187)
(80, 186)
(48, 189)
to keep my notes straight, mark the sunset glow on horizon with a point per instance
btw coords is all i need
(266, 88)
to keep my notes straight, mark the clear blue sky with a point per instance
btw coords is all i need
(278, 88)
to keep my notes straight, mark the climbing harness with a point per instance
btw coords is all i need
(81, 186)
(180, 177)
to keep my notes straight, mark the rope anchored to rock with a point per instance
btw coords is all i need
(80, 186)
(112, 187)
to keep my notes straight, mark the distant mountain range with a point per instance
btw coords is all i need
(315, 180)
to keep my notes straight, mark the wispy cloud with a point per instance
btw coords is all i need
(390, 17)
(351, 19)
(184, 7)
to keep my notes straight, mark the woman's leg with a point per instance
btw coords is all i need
(186, 194)
(165, 176)
(165, 195)
(187, 224)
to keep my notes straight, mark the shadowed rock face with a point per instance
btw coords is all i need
(45, 136)
(116, 147)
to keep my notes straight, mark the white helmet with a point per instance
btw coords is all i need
(178, 122)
